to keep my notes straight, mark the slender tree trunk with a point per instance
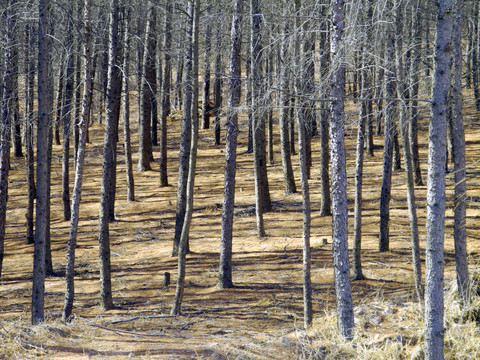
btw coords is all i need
(388, 148)
(192, 83)
(434, 328)
(258, 124)
(234, 93)
(185, 140)
(7, 108)
(339, 176)
(147, 94)
(289, 179)
(458, 152)
(65, 116)
(357, 227)
(402, 92)
(109, 157)
(29, 126)
(77, 188)
(206, 113)
(475, 56)
(307, 262)
(126, 109)
(43, 170)
(325, 203)
(217, 85)
(59, 98)
(167, 84)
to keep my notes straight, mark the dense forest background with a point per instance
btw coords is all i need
(277, 163)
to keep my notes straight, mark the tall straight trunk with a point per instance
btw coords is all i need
(148, 90)
(402, 92)
(16, 127)
(369, 89)
(269, 115)
(206, 113)
(28, 127)
(10, 16)
(414, 90)
(357, 227)
(218, 84)
(325, 203)
(185, 139)
(258, 120)
(59, 98)
(434, 327)
(339, 177)
(389, 134)
(167, 84)
(458, 151)
(109, 158)
(77, 102)
(66, 117)
(192, 83)
(288, 177)
(307, 257)
(126, 109)
(77, 187)
(234, 93)
(43, 169)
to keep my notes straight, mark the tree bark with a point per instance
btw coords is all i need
(434, 329)
(206, 110)
(43, 169)
(339, 177)
(192, 83)
(458, 152)
(167, 84)
(234, 93)
(7, 108)
(107, 196)
(77, 187)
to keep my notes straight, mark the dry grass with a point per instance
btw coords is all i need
(261, 318)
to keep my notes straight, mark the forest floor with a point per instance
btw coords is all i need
(261, 317)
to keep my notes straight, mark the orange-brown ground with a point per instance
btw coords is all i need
(258, 319)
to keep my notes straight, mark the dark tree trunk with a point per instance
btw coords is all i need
(458, 152)
(388, 147)
(206, 110)
(7, 109)
(77, 188)
(341, 265)
(234, 93)
(167, 84)
(107, 196)
(434, 325)
(191, 87)
(43, 169)
(29, 126)
(126, 109)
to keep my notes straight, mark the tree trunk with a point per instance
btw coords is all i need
(185, 139)
(10, 17)
(434, 329)
(107, 196)
(339, 176)
(217, 85)
(288, 177)
(66, 117)
(190, 86)
(458, 152)
(77, 187)
(126, 109)
(206, 113)
(325, 204)
(402, 92)
(28, 127)
(167, 84)
(147, 94)
(389, 135)
(43, 169)
(234, 93)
